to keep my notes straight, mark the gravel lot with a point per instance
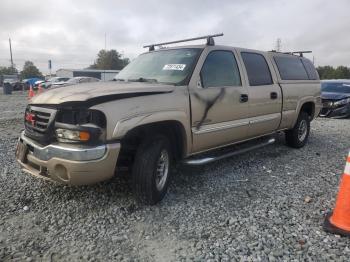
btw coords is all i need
(211, 213)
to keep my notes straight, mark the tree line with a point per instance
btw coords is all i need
(106, 60)
(113, 60)
(29, 70)
(329, 72)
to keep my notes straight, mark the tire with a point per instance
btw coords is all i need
(152, 157)
(298, 136)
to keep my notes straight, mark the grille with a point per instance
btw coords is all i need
(38, 120)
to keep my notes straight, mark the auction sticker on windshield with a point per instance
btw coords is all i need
(179, 67)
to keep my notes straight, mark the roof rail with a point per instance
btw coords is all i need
(301, 53)
(210, 41)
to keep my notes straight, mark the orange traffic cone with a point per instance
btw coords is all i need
(31, 92)
(338, 222)
(40, 89)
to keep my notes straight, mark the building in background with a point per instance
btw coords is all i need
(104, 75)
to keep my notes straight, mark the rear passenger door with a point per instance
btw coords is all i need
(265, 96)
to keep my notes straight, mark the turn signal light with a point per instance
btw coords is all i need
(84, 136)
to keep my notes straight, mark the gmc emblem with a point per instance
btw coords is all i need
(30, 118)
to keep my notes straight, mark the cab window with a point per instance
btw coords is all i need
(220, 69)
(257, 69)
(291, 68)
(310, 69)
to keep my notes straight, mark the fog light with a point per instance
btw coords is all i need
(66, 135)
(61, 172)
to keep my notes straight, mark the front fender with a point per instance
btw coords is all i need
(124, 125)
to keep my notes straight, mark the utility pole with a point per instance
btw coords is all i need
(50, 66)
(11, 54)
(104, 73)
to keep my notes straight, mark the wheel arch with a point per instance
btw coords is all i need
(308, 105)
(172, 129)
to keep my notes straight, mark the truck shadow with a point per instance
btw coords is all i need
(188, 183)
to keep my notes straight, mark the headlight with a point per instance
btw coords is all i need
(81, 117)
(341, 102)
(66, 135)
(80, 125)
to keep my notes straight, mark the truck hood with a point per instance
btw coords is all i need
(334, 96)
(99, 92)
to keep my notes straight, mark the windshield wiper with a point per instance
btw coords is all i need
(142, 79)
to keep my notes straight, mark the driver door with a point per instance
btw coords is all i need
(219, 100)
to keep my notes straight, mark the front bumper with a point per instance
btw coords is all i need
(68, 164)
(340, 112)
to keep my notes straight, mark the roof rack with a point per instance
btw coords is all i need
(301, 53)
(210, 41)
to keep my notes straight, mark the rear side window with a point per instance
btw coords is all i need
(220, 69)
(310, 69)
(257, 69)
(291, 68)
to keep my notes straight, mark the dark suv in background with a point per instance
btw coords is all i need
(335, 98)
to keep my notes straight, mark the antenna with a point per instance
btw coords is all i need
(210, 41)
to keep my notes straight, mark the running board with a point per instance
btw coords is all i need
(209, 159)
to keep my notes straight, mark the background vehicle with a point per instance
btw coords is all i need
(78, 80)
(56, 81)
(15, 84)
(335, 98)
(31, 82)
(169, 105)
(39, 82)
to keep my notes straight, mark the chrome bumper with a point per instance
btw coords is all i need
(67, 164)
(69, 152)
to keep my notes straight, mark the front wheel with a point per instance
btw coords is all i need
(298, 136)
(151, 169)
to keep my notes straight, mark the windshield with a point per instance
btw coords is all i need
(172, 66)
(336, 87)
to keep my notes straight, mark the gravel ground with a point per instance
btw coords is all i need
(264, 205)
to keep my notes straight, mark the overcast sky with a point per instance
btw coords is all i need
(71, 33)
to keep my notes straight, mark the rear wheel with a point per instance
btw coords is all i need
(298, 136)
(151, 169)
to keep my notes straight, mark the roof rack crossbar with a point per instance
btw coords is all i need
(210, 41)
(301, 53)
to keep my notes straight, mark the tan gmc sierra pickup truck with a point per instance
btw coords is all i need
(169, 104)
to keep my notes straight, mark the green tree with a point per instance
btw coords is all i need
(342, 72)
(30, 70)
(329, 72)
(8, 70)
(326, 72)
(110, 60)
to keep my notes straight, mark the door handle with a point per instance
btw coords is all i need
(243, 98)
(273, 95)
